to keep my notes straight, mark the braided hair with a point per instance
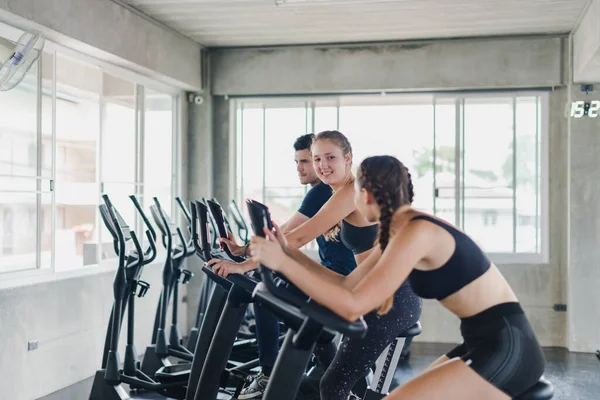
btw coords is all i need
(344, 144)
(390, 184)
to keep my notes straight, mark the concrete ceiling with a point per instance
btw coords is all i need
(272, 22)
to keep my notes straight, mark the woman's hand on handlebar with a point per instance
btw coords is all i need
(233, 246)
(224, 268)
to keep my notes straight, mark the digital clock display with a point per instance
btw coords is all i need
(581, 108)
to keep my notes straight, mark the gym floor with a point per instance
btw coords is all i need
(575, 376)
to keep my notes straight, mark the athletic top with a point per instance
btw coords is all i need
(467, 263)
(358, 239)
(333, 254)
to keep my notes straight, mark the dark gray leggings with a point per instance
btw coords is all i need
(356, 356)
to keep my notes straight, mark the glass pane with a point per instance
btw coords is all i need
(528, 176)
(76, 236)
(325, 119)
(158, 147)
(118, 130)
(308, 117)
(119, 196)
(46, 231)
(284, 202)
(47, 78)
(282, 127)
(239, 154)
(19, 184)
(487, 172)
(253, 154)
(404, 131)
(445, 160)
(17, 231)
(18, 128)
(77, 189)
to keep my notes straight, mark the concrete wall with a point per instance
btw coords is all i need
(221, 140)
(199, 170)
(428, 65)
(465, 64)
(111, 33)
(586, 46)
(583, 147)
(68, 317)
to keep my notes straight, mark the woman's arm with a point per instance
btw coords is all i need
(292, 223)
(404, 251)
(362, 269)
(338, 207)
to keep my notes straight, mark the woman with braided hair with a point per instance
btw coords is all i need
(500, 357)
(402, 310)
(339, 219)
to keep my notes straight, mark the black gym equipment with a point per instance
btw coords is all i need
(203, 301)
(543, 390)
(127, 284)
(308, 321)
(225, 218)
(215, 305)
(215, 374)
(205, 291)
(309, 388)
(212, 231)
(217, 215)
(170, 380)
(158, 352)
(260, 217)
(220, 222)
(239, 290)
(386, 364)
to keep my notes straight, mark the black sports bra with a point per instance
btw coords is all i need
(358, 239)
(467, 263)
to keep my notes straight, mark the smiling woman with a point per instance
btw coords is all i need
(332, 160)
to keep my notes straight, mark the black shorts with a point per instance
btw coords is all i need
(500, 346)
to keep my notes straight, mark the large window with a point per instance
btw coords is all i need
(158, 148)
(119, 152)
(19, 175)
(78, 88)
(71, 131)
(267, 167)
(475, 160)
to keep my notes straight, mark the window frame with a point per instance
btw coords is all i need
(237, 103)
(35, 273)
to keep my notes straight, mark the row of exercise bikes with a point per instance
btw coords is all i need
(220, 354)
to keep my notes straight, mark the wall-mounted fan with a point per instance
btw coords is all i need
(22, 57)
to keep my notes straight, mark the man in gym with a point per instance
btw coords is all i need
(332, 253)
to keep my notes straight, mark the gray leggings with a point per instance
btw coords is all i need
(356, 356)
